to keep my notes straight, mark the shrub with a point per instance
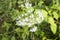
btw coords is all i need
(29, 19)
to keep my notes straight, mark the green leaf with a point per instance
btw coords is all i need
(53, 28)
(6, 25)
(51, 21)
(44, 14)
(14, 14)
(40, 3)
(13, 38)
(20, 1)
(17, 29)
(5, 38)
(55, 15)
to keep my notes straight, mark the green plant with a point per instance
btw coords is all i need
(29, 19)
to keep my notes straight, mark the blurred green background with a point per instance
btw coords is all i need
(45, 19)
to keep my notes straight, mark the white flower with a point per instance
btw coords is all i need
(29, 24)
(27, 5)
(25, 14)
(37, 20)
(33, 29)
(39, 14)
(32, 16)
(30, 19)
(30, 5)
(42, 18)
(22, 15)
(22, 23)
(29, 11)
(23, 20)
(22, 5)
(26, 19)
(18, 22)
(18, 18)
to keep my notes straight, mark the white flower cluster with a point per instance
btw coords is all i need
(29, 18)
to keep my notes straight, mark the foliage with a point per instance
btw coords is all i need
(29, 19)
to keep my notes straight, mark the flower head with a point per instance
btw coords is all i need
(33, 29)
(30, 19)
(22, 5)
(27, 5)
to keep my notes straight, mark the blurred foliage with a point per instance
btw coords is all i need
(48, 29)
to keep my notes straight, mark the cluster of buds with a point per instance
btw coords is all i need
(29, 18)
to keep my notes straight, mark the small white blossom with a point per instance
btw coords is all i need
(22, 15)
(18, 18)
(25, 14)
(26, 19)
(27, 5)
(29, 11)
(32, 16)
(40, 14)
(33, 29)
(22, 23)
(42, 18)
(18, 23)
(22, 5)
(37, 20)
(30, 5)
(29, 24)
(23, 20)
